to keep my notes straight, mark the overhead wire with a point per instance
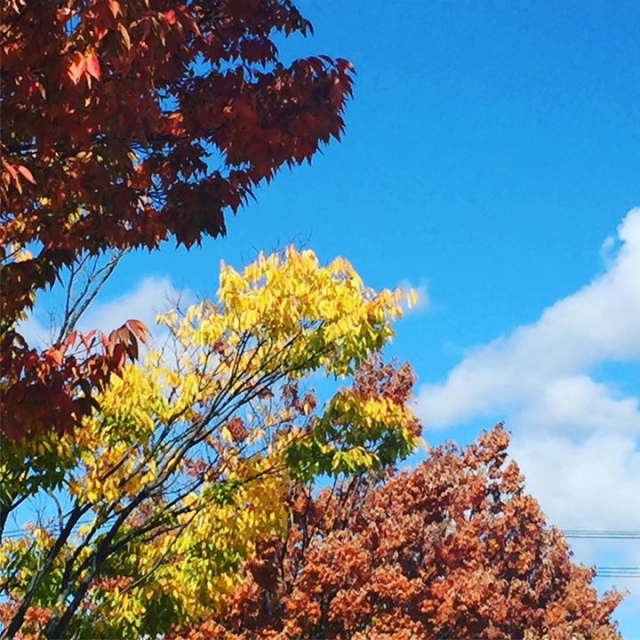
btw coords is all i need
(601, 535)
(585, 534)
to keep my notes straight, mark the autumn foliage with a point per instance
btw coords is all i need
(126, 123)
(453, 549)
(169, 487)
(177, 495)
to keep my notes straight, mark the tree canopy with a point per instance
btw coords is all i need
(155, 502)
(126, 124)
(452, 549)
(201, 488)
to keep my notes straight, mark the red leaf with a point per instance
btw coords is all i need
(26, 173)
(93, 66)
(77, 67)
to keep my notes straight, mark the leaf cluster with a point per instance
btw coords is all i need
(166, 490)
(453, 549)
(126, 123)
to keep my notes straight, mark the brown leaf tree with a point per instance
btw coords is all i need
(453, 549)
(126, 123)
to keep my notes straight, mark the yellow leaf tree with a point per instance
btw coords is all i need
(167, 489)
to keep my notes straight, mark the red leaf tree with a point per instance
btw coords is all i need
(453, 549)
(125, 123)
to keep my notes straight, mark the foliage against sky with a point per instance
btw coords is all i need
(452, 549)
(491, 158)
(163, 492)
(125, 124)
(491, 152)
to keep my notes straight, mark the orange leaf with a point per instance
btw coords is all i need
(139, 329)
(10, 169)
(26, 173)
(93, 66)
(114, 7)
(54, 356)
(77, 67)
(125, 36)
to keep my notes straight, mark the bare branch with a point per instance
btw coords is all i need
(78, 297)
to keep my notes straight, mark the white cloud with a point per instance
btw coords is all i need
(152, 296)
(597, 324)
(576, 438)
(579, 404)
(588, 484)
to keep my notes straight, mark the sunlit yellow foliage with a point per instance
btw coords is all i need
(196, 564)
(186, 464)
(299, 315)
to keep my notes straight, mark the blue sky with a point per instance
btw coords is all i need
(491, 149)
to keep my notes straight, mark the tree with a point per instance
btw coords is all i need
(452, 549)
(126, 123)
(164, 492)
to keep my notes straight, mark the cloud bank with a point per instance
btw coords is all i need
(597, 324)
(575, 435)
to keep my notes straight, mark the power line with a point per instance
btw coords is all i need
(617, 572)
(592, 534)
(601, 572)
(601, 535)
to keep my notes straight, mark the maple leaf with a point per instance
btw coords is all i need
(92, 66)
(133, 166)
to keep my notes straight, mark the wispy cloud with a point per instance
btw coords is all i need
(150, 297)
(147, 299)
